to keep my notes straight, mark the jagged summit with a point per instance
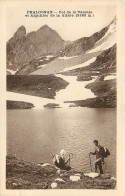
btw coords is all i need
(21, 32)
(21, 28)
(22, 47)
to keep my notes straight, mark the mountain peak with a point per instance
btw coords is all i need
(21, 28)
(21, 32)
(46, 32)
(44, 28)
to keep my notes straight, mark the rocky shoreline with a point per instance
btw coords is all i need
(21, 174)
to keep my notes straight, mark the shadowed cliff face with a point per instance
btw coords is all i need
(14, 45)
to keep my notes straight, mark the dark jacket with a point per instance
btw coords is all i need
(99, 152)
(61, 163)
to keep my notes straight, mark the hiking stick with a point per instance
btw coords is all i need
(90, 162)
(70, 157)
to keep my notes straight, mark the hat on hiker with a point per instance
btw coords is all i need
(63, 152)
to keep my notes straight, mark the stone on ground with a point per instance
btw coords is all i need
(45, 164)
(74, 178)
(59, 179)
(53, 185)
(92, 174)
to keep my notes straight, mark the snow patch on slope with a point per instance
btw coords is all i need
(66, 57)
(41, 66)
(74, 91)
(105, 45)
(110, 77)
(38, 102)
(111, 30)
(107, 41)
(49, 56)
(11, 71)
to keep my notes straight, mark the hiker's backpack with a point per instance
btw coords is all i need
(106, 152)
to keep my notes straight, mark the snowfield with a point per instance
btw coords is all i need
(74, 91)
(80, 65)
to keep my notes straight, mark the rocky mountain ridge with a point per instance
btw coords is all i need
(26, 52)
(22, 47)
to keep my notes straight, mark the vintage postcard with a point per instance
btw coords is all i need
(61, 94)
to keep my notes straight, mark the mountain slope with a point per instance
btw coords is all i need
(85, 44)
(104, 64)
(59, 64)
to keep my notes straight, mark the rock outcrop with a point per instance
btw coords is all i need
(18, 105)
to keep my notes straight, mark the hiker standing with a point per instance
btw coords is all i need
(99, 152)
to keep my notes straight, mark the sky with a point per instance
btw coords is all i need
(68, 28)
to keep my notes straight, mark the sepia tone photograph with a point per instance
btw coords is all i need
(61, 97)
(61, 101)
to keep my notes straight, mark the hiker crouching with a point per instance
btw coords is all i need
(99, 152)
(59, 161)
